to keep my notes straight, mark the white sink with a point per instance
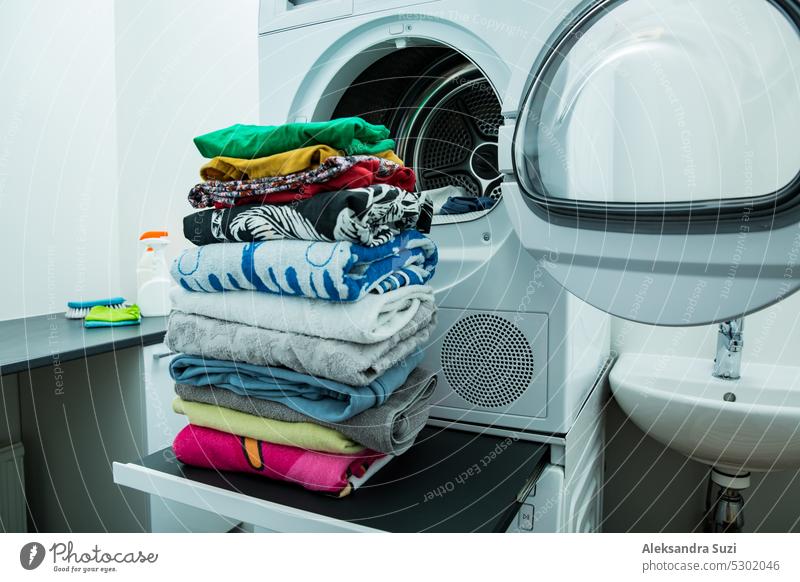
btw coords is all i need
(679, 403)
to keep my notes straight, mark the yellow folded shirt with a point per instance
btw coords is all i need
(223, 168)
(305, 435)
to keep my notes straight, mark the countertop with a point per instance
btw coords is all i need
(32, 342)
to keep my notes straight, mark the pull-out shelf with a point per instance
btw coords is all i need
(449, 481)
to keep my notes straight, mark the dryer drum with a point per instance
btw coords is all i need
(443, 112)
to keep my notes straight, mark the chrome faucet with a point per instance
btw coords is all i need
(730, 342)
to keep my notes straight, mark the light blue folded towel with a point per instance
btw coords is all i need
(336, 271)
(110, 323)
(319, 398)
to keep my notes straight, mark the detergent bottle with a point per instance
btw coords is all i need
(152, 275)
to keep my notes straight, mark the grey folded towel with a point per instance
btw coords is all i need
(347, 362)
(390, 428)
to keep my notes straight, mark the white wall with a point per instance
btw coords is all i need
(58, 164)
(183, 68)
(100, 103)
(771, 336)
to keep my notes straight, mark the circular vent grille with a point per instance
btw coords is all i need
(487, 360)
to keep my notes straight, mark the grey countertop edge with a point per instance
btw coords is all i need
(75, 341)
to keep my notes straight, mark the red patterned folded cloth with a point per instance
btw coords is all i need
(335, 173)
(338, 474)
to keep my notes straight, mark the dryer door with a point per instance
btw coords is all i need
(654, 163)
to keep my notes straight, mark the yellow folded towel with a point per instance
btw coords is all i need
(223, 168)
(304, 435)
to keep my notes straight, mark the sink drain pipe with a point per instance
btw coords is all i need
(725, 508)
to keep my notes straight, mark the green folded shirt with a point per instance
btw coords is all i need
(104, 316)
(351, 134)
(305, 435)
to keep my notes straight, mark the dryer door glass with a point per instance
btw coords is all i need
(657, 157)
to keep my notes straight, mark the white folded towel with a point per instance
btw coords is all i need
(373, 318)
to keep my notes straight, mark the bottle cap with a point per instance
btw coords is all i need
(154, 234)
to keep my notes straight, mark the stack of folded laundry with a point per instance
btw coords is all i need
(301, 314)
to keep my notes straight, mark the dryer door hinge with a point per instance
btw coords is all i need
(505, 138)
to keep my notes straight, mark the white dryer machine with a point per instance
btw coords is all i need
(626, 141)
(644, 159)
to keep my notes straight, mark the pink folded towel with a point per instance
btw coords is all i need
(331, 473)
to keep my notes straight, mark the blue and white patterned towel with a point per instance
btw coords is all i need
(337, 271)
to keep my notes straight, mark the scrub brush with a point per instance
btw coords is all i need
(80, 309)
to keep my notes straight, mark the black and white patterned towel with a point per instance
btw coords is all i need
(369, 216)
